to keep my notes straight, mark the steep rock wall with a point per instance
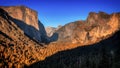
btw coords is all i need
(24, 14)
(27, 20)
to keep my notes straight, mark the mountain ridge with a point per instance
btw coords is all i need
(90, 26)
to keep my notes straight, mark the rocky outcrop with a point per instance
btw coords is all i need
(27, 20)
(98, 26)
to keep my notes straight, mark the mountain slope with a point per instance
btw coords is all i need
(97, 27)
(16, 49)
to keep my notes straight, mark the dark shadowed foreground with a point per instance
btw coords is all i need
(105, 54)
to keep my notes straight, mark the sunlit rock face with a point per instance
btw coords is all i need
(24, 14)
(27, 20)
(98, 26)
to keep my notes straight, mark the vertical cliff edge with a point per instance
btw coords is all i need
(27, 20)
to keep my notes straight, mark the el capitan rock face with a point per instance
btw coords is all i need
(24, 14)
(27, 20)
(19, 45)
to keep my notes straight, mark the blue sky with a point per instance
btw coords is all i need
(61, 12)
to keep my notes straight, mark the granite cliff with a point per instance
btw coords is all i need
(52, 34)
(97, 27)
(24, 14)
(51, 30)
(27, 20)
